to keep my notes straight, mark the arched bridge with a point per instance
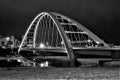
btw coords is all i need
(54, 32)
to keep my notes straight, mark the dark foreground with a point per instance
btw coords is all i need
(37, 73)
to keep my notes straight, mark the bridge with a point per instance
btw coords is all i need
(53, 32)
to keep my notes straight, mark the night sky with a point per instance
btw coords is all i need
(102, 17)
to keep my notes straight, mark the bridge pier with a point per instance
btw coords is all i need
(74, 63)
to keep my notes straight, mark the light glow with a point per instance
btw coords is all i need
(7, 38)
(19, 60)
(62, 43)
(89, 40)
(45, 64)
(42, 45)
(97, 42)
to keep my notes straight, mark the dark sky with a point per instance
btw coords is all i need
(102, 17)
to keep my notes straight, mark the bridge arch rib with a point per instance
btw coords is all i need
(67, 45)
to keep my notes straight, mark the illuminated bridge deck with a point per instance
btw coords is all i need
(74, 48)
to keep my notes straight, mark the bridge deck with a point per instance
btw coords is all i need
(74, 48)
(46, 49)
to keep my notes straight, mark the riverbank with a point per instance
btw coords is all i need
(36, 73)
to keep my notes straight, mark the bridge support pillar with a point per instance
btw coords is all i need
(72, 62)
(72, 59)
(71, 56)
